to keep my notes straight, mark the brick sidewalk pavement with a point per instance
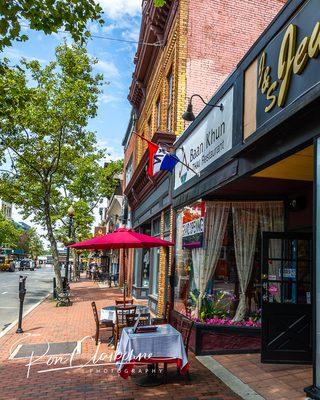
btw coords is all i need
(48, 323)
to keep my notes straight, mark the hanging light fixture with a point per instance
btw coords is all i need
(188, 115)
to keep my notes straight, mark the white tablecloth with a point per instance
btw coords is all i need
(109, 313)
(165, 342)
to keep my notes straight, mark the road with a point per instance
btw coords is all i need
(38, 285)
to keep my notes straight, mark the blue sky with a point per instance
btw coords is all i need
(122, 21)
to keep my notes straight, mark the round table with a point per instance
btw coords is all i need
(109, 312)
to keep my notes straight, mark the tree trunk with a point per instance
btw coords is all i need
(53, 244)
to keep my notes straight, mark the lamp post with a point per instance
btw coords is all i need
(71, 214)
(188, 115)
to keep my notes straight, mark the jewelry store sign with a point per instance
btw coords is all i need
(289, 65)
(208, 141)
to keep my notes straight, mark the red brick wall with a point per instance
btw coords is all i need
(220, 32)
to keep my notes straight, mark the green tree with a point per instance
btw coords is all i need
(101, 182)
(31, 243)
(159, 3)
(55, 161)
(9, 232)
(47, 16)
(89, 180)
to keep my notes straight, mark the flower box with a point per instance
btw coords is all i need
(224, 339)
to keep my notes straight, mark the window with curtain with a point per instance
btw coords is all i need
(155, 258)
(145, 267)
(155, 270)
(137, 254)
(220, 274)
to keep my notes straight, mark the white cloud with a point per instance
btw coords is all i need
(108, 98)
(16, 54)
(131, 35)
(93, 27)
(109, 28)
(108, 67)
(113, 153)
(115, 9)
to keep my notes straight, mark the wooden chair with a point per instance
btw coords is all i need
(185, 328)
(122, 313)
(144, 319)
(122, 302)
(166, 317)
(105, 323)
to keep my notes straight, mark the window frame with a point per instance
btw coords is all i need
(170, 101)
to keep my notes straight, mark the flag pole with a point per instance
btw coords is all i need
(181, 162)
(187, 166)
(170, 147)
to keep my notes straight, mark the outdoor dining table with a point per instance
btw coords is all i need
(109, 312)
(163, 345)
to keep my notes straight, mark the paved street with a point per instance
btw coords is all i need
(38, 284)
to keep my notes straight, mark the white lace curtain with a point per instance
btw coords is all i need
(205, 259)
(246, 219)
(272, 220)
(245, 228)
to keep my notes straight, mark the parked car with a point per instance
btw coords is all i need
(26, 264)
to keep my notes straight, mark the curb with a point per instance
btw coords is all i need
(235, 384)
(12, 325)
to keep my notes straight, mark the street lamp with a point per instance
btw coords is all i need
(71, 214)
(189, 116)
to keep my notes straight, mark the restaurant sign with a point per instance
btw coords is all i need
(289, 65)
(193, 225)
(208, 141)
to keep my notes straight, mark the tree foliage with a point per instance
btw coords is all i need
(103, 184)
(54, 157)
(47, 16)
(31, 243)
(159, 3)
(9, 232)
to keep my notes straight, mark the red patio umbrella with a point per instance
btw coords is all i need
(122, 238)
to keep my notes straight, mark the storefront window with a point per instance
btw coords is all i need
(217, 277)
(156, 227)
(137, 254)
(155, 258)
(155, 270)
(167, 221)
(145, 267)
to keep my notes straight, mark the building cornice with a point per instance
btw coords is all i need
(155, 27)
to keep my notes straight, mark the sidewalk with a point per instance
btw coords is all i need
(68, 324)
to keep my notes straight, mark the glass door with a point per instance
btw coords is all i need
(286, 297)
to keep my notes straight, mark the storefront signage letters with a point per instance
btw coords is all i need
(209, 140)
(292, 60)
(288, 67)
(193, 227)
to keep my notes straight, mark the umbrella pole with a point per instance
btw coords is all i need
(124, 276)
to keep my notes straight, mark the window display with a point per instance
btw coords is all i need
(218, 257)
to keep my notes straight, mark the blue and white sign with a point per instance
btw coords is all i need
(209, 141)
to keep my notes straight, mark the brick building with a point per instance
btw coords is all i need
(186, 47)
